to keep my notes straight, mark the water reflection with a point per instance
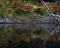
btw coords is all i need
(16, 32)
(8, 30)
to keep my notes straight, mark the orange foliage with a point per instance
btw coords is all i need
(13, 4)
(47, 3)
(21, 6)
(55, 5)
(26, 8)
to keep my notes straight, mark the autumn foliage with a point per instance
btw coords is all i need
(54, 7)
(21, 6)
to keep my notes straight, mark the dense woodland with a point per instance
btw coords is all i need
(15, 8)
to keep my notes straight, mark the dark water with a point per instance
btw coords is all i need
(27, 31)
(14, 34)
(7, 30)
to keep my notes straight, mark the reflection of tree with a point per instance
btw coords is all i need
(55, 37)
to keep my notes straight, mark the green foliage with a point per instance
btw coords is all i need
(1, 13)
(42, 10)
(20, 12)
